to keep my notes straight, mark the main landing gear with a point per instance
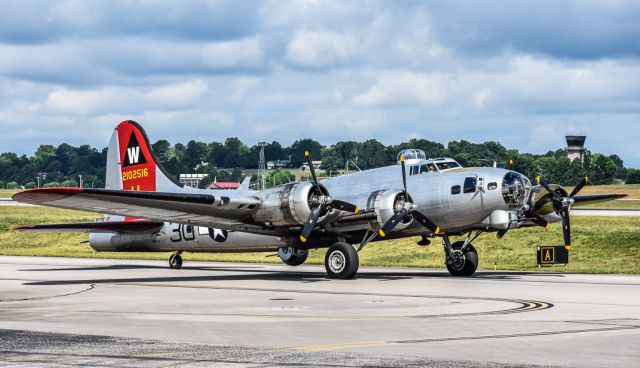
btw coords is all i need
(461, 257)
(175, 261)
(341, 261)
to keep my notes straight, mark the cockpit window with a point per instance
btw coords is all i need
(424, 169)
(447, 165)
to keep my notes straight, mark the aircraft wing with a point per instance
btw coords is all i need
(96, 227)
(581, 200)
(199, 209)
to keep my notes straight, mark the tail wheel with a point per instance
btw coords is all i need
(341, 261)
(296, 259)
(462, 263)
(175, 261)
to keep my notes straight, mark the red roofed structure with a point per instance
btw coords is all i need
(224, 185)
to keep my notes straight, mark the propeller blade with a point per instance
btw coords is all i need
(393, 221)
(310, 223)
(404, 175)
(546, 186)
(579, 187)
(501, 233)
(566, 227)
(426, 222)
(541, 221)
(344, 206)
(313, 171)
(511, 164)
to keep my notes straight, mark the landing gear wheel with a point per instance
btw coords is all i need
(296, 259)
(175, 261)
(463, 264)
(341, 261)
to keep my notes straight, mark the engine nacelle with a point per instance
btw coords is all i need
(387, 203)
(541, 201)
(287, 205)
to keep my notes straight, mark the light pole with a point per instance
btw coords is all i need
(41, 175)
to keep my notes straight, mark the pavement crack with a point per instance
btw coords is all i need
(90, 287)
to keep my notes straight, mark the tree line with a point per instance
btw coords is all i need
(62, 165)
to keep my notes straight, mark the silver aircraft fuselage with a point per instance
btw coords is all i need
(184, 237)
(431, 192)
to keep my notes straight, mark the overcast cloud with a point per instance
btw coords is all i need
(520, 73)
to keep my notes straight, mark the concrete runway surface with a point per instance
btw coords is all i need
(60, 311)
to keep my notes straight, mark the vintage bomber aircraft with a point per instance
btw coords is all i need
(149, 211)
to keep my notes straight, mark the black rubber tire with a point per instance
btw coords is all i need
(175, 261)
(470, 261)
(297, 259)
(341, 261)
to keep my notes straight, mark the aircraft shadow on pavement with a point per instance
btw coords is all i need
(126, 267)
(234, 273)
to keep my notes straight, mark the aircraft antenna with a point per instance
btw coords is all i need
(262, 167)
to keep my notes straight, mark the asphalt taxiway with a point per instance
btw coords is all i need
(57, 311)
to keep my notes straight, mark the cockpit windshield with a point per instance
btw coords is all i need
(447, 165)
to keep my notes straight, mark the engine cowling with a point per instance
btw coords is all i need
(541, 201)
(387, 203)
(288, 205)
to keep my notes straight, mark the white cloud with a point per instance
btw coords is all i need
(177, 95)
(315, 49)
(405, 88)
(67, 101)
(480, 97)
(124, 99)
(242, 53)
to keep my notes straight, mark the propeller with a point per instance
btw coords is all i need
(408, 208)
(562, 206)
(320, 203)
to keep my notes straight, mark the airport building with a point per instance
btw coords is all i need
(575, 147)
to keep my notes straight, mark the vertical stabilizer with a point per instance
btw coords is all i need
(132, 165)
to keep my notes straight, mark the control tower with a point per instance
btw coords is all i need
(575, 147)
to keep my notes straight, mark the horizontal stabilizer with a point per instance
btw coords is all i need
(95, 227)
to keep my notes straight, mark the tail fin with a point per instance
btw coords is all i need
(132, 165)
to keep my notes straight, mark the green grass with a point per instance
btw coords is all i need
(7, 193)
(601, 245)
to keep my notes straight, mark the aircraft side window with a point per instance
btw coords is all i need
(470, 185)
(414, 170)
(455, 189)
(493, 185)
(424, 169)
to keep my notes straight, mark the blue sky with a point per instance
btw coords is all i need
(521, 73)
